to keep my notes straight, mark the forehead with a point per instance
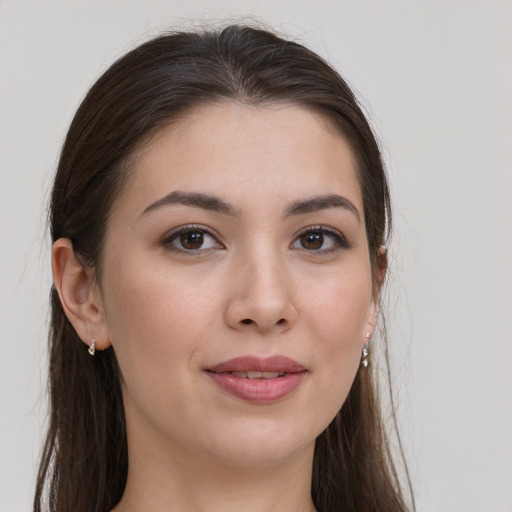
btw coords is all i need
(244, 152)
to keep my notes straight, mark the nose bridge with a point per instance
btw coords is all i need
(265, 279)
(262, 296)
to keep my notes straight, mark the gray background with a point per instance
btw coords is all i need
(436, 79)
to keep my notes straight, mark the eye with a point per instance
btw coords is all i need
(319, 239)
(191, 239)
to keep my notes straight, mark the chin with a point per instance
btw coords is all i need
(261, 444)
(266, 455)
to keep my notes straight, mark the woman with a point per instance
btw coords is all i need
(218, 217)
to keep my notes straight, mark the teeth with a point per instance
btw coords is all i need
(258, 375)
(239, 374)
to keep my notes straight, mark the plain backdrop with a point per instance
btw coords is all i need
(436, 80)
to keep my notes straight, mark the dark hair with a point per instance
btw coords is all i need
(85, 458)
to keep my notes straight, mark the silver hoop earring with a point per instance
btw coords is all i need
(92, 348)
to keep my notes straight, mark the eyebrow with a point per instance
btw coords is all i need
(214, 204)
(318, 203)
(194, 199)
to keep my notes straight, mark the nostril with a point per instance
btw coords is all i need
(246, 321)
(281, 322)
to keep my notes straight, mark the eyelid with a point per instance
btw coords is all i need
(341, 239)
(174, 233)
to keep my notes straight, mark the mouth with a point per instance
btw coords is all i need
(256, 379)
(257, 375)
(255, 365)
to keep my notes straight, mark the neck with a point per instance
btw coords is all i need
(167, 481)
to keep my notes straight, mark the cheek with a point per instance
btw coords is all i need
(339, 309)
(158, 323)
(155, 320)
(338, 318)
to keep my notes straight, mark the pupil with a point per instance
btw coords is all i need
(312, 241)
(192, 240)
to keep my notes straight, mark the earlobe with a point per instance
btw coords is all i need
(79, 294)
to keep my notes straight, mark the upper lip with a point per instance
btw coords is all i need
(275, 363)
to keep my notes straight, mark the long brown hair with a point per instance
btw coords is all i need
(84, 462)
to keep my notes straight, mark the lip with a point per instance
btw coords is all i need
(275, 363)
(260, 390)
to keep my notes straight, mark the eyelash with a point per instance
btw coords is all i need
(191, 228)
(340, 242)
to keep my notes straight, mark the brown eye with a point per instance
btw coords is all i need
(320, 240)
(192, 240)
(312, 241)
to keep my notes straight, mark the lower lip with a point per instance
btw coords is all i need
(258, 390)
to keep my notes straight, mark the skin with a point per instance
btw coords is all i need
(252, 288)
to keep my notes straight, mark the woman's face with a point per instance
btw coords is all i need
(236, 284)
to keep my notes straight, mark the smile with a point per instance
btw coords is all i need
(258, 380)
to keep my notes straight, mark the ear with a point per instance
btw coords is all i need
(79, 294)
(381, 266)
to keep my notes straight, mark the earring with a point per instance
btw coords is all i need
(92, 348)
(366, 353)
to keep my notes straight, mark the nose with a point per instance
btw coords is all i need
(261, 297)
